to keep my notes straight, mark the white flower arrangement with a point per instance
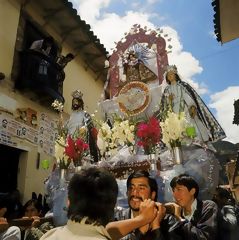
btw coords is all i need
(173, 129)
(121, 134)
(57, 105)
(60, 156)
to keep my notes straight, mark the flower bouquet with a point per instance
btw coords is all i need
(110, 139)
(149, 134)
(173, 130)
(75, 150)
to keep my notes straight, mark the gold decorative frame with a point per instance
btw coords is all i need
(125, 95)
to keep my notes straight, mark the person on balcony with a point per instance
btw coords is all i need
(43, 46)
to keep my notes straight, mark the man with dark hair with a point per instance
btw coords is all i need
(196, 219)
(92, 195)
(141, 186)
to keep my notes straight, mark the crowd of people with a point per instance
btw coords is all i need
(19, 221)
(92, 195)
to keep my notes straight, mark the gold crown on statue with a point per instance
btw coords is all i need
(171, 68)
(77, 94)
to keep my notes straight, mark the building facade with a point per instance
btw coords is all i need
(30, 83)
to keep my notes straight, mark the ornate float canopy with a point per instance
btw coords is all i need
(148, 46)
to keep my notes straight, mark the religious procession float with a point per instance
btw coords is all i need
(152, 120)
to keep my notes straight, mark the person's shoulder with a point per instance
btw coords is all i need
(52, 234)
(13, 231)
(209, 203)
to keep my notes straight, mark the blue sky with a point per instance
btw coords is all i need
(211, 68)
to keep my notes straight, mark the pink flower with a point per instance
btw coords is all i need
(149, 134)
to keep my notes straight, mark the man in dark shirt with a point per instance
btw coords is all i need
(196, 219)
(141, 186)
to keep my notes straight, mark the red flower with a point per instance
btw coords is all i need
(75, 149)
(70, 148)
(149, 134)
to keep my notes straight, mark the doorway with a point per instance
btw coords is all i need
(9, 160)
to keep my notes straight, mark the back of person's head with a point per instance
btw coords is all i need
(223, 193)
(14, 204)
(222, 196)
(92, 194)
(10, 206)
(142, 173)
(185, 180)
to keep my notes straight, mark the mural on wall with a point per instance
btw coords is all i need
(47, 134)
(26, 126)
(27, 116)
(10, 128)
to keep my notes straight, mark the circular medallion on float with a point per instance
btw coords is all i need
(134, 98)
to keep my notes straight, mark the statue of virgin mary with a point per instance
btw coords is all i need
(179, 96)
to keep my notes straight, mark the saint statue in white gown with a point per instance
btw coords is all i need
(178, 97)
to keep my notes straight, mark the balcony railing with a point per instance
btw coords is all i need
(41, 74)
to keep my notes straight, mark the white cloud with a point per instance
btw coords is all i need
(110, 28)
(89, 10)
(223, 103)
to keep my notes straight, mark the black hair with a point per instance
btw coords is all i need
(223, 193)
(80, 103)
(92, 193)
(70, 55)
(187, 181)
(49, 39)
(142, 173)
(3, 200)
(35, 202)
